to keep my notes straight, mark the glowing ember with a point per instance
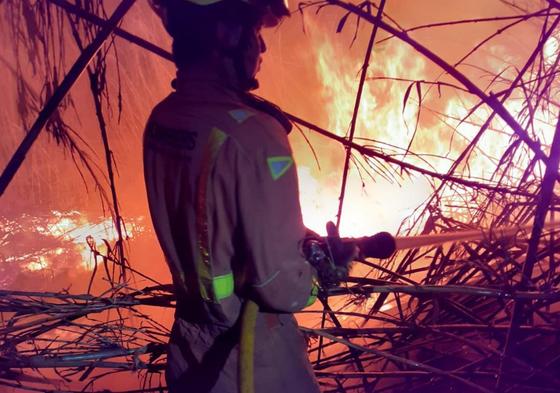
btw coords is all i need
(40, 264)
(56, 241)
(75, 228)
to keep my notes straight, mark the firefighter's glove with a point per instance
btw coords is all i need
(341, 253)
(330, 256)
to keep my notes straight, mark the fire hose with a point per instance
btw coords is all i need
(322, 254)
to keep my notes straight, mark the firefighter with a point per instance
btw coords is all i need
(223, 197)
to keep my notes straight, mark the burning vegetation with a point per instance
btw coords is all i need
(438, 123)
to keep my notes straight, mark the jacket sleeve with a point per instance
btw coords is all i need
(278, 275)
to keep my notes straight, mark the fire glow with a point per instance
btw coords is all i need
(441, 120)
(368, 208)
(61, 235)
(404, 113)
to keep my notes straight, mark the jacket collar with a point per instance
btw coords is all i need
(204, 87)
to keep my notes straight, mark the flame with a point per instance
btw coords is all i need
(388, 114)
(369, 207)
(81, 233)
(550, 50)
(62, 236)
(75, 228)
(40, 264)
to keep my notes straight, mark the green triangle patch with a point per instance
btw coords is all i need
(279, 165)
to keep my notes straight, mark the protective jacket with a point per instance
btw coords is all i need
(223, 196)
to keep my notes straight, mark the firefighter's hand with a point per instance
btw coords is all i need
(341, 253)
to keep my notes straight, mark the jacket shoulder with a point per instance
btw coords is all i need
(255, 130)
(251, 129)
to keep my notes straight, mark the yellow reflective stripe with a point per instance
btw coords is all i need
(314, 293)
(203, 265)
(204, 282)
(217, 139)
(223, 286)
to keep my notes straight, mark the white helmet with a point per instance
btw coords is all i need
(272, 11)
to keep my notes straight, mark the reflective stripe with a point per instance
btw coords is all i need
(314, 293)
(240, 115)
(223, 286)
(203, 263)
(279, 165)
(267, 281)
